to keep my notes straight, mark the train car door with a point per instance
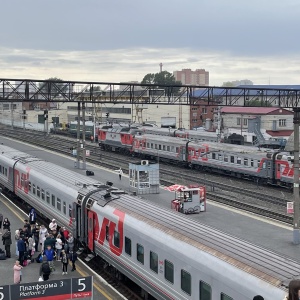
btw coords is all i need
(78, 220)
(91, 230)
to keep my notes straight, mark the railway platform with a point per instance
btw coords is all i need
(252, 228)
(30, 273)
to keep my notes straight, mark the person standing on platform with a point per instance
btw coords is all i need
(35, 233)
(1, 221)
(58, 246)
(70, 241)
(42, 236)
(294, 290)
(21, 249)
(6, 224)
(45, 270)
(53, 226)
(27, 226)
(73, 258)
(31, 244)
(49, 252)
(32, 217)
(6, 237)
(17, 237)
(17, 272)
(64, 261)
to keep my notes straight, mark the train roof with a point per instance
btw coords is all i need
(50, 170)
(213, 147)
(263, 263)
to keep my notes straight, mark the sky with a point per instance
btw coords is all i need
(123, 40)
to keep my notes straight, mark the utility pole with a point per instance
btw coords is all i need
(77, 163)
(12, 115)
(83, 138)
(296, 231)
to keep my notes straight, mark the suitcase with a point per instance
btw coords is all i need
(2, 256)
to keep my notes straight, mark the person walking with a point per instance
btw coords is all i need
(17, 237)
(120, 172)
(6, 237)
(49, 253)
(45, 270)
(1, 221)
(64, 261)
(53, 226)
(32, 217)
(58, 246)
(6, 224)
(17, 272)
(73, 258)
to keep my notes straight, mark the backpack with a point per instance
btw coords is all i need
(46, 268)
(25, 263)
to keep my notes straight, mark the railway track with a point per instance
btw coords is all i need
(233, 195)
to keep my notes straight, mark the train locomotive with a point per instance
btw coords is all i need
(169, 255)
(260, 165)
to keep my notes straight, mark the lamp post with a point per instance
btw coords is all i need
(296, 231)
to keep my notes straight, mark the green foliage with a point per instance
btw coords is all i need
(57, 86)
(163, 79)
(258, 103)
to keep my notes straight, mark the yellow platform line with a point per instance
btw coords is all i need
(78, 269)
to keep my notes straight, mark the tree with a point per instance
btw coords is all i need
(258, 102)
(161, 79)
(57, 87)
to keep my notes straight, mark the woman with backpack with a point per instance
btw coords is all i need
(65, 261)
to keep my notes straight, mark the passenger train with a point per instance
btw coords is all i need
(260, 165)
(169, 255)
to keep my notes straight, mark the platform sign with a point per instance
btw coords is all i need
(64, 289)
(87, 152)
(290, 207)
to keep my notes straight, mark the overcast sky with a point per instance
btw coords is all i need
(122, 40)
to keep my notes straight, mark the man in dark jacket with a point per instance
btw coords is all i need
(21, 249)
(45, 269)
(7, 241)
(73, 258)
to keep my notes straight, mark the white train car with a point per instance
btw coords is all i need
(169, 255)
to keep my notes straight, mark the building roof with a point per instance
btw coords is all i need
(252, 110)
(279, 132)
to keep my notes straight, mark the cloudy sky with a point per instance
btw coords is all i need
(122, 40)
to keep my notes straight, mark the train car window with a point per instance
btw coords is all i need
(169, 271)
(65, 207)
(154, 262)
(226, 158)
(168, 148)
(58, 204)
(172, 148)
(239, 161)
(29, 185)
(52, 200)
(48, 197)
(159, 147)
(225, 297)
(177, 149)
(38, 191)
(148, 145)
(127, 245)
(258, 162)
(213, 155)
(186, 282)
(70, 210)
(6, 172)
(245, 161)
(33, 189)
(252, 163)
(264, 165)
(205, 291)
(117, 239)
(164, 148)
(22, 181)
(140, 253)
(151, 145)
(232, 159)
(43, 194)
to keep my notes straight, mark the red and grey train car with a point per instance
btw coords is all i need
(169, 255)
